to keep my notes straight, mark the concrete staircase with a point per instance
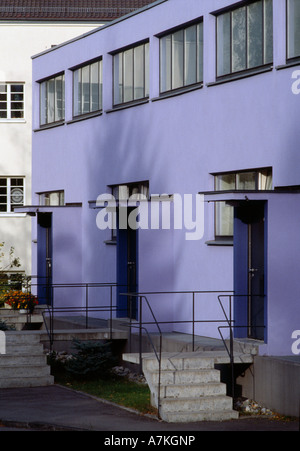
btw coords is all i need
(21, 321)
(24, 363)
(190, 387)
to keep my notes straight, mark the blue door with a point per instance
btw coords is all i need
(127, 277)
(44, 258)
(250, 231)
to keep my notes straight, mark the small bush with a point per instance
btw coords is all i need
(4, 326)
(91, 359)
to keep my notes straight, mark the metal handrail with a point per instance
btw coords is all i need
(232, 326)
(158, 357)
(142, 325)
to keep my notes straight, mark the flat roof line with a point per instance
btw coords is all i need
(109, 24)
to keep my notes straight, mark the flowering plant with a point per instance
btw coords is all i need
(19, 300)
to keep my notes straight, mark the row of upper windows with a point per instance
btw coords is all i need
(244, 42)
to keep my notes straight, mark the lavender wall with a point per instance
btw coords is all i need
(175, 143)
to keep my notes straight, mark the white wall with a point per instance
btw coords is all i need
(19, 41)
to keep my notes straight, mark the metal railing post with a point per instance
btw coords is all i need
(193, 324)
(86, 304)
(231, 347)
(140, 333)
(110, 321)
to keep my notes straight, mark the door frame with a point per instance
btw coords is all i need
(127, 261)
(44, 257)
(245, 301)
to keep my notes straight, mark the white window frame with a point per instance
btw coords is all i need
(262, 180)
(227, 57)
(49, 102)
(79, 99)
(9, 204)
(125, 81)
(292, 32)
(174, 63)
(46, 198)
(9, 102)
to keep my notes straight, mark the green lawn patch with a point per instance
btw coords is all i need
(118, 390)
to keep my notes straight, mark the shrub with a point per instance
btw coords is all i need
(4, 326)
(91, 359)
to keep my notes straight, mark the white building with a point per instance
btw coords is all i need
(26, 28)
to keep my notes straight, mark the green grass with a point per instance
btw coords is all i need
(116, 389)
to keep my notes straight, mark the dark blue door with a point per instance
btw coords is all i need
(250, 226)
(44, 258)
(127, 272)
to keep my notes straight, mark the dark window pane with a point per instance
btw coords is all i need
(16, 88)
(17, 114)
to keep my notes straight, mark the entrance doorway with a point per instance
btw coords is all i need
(127, 277)
(44, 258)
(250, 269)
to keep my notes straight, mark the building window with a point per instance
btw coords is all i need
(247, 180)
(181, 58)
(11, 101)
(52, 198)
(87, 89)
(131, 74)
(137, 191)
(293, 24)
(245, 37)
(11, 193)
(52, 100)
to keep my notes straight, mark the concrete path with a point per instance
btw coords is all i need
(56, 408)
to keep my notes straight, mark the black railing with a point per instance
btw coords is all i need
(111, 310)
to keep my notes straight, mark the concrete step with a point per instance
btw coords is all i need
(26, 349)
(14, 382)
(21, 359)
(203, 403)
(189, 385)
(22, 337)
(193, 416)
(24, 363)
(192, 390)
(198, 359)
(194, 376)
(24, 371)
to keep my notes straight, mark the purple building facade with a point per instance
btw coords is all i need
(193, 109)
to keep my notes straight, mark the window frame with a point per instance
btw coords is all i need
(91, 111)
(121, 86)
(42, 198)
(294, 58)
(170, 33)
(9, 186)
(9, 102)
(258, 173)
(44, 102)
(248, 69)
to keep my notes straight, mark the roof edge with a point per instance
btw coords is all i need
(96, 30)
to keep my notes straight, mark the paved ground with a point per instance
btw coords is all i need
(58, 408)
